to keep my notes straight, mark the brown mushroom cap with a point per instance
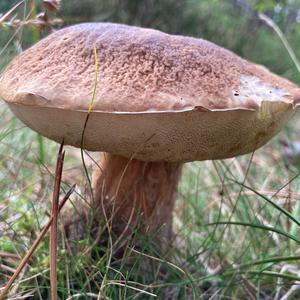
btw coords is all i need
(159, 96)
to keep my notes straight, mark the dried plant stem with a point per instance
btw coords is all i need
(34, 246)
(34, 23)
(53, 231)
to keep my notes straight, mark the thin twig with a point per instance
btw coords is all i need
(34, 246)
(53, 231)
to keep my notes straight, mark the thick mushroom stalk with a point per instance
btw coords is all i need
(137, 194)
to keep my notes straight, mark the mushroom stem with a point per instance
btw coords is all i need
(135, 193)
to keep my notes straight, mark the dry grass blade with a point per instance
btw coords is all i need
(286, 44)
(33, 247)
(54, 214)
(8, 255)
(6, 15)
(39, 22)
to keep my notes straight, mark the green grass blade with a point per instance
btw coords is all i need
(259, 226)
(276, 259)
(281, 209)
(274, 274)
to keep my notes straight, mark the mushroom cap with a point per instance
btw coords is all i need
(158, 96)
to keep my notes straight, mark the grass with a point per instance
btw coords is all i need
(236, 222)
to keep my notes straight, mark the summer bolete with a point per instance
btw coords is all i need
(161, 100)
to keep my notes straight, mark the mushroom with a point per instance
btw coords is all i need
(161, 100)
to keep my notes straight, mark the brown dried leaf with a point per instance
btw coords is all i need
(52, 5)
